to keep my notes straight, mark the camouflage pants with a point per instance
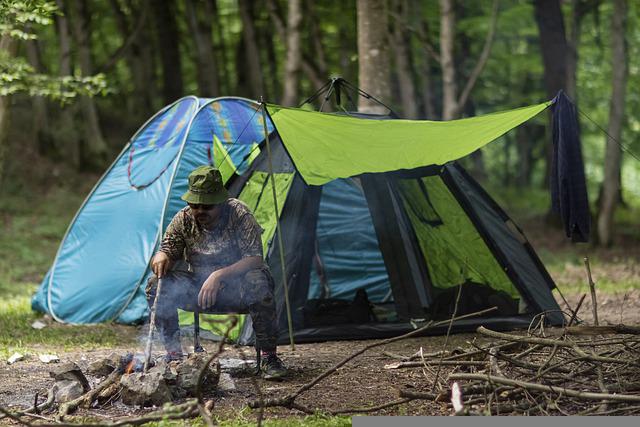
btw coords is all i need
(251, 293)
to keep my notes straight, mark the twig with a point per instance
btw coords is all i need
(288, 400)
(603, 330)
(14, 417)
(546, 388)
(233, 321)
(493, 361)
(372, 408)
(592, 288)
(418, 395)
(482, 60)
(88, 397)
(256, 387)
(446, 338)
(36, 408)
(420, 364)
(574, 316)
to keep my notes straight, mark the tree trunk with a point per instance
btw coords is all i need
(404, 63)
(40, 131)
(450, 106)
(219, 47)
(94, 151)
(613, 154)
(140, 104)
(7, 46)
(553, 46)
(207, 72)
(65, 135)
(251, 50)
(168, 43)
(316, 39)
(373, 55)
(294, 54)
(577, 13)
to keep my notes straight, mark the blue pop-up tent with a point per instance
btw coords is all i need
(405, 235)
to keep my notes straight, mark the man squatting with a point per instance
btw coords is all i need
(220, 239)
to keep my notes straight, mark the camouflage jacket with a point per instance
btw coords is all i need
(236, 235)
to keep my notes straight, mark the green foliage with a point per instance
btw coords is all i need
(16, 75)
(16, 17)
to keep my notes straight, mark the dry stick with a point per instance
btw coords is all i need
(418, 395)
(551, 342)
(603, 330)
(555, 347)
(446, 339)
(546, 388)
(592, 288)
(256, 387)
(420, 364)
(372, 408)
(575, 313)
(287, 401)
(232, 323)
(535, 340)
(205, 416)
(482, 350)
(14, 416)
(152, 324)
(36, 408)
(182, 411)
(89, 396)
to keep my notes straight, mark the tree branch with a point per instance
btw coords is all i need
(119, 53)
(482, 60)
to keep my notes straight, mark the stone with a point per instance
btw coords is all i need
(237, 367)
(145, 389)
(71, 372)
(103, 367)
(38, 324)
(48, 358)
(226, 383)
(66, 390)
(15, 357)
(189, 370)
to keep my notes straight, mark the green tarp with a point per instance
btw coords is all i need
(327, 146)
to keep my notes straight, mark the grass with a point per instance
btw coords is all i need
(243, 420)
(30, 236)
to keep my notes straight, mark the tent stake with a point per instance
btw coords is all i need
(278, 230)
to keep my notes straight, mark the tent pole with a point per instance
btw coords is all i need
(278, 229)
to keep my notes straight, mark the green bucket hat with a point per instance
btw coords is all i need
(205, 187)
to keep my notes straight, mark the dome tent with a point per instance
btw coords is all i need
(364, 204)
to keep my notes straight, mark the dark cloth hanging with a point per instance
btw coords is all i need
(568, 186)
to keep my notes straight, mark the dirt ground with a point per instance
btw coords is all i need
(362, 382)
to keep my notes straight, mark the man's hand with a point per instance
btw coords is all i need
(160, 264)
(209, 290)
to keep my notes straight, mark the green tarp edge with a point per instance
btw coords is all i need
(327, 146)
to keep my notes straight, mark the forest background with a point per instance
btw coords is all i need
(79, 77)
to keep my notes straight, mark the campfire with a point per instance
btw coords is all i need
(136, 364)
(122, 378)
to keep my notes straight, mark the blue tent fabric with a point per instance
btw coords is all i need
(568, 185)
(102, 262)
(347, 245)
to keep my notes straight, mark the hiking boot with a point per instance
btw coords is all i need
(272, 367)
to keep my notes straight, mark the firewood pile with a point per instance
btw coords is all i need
(120, 379)
(582, 370)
